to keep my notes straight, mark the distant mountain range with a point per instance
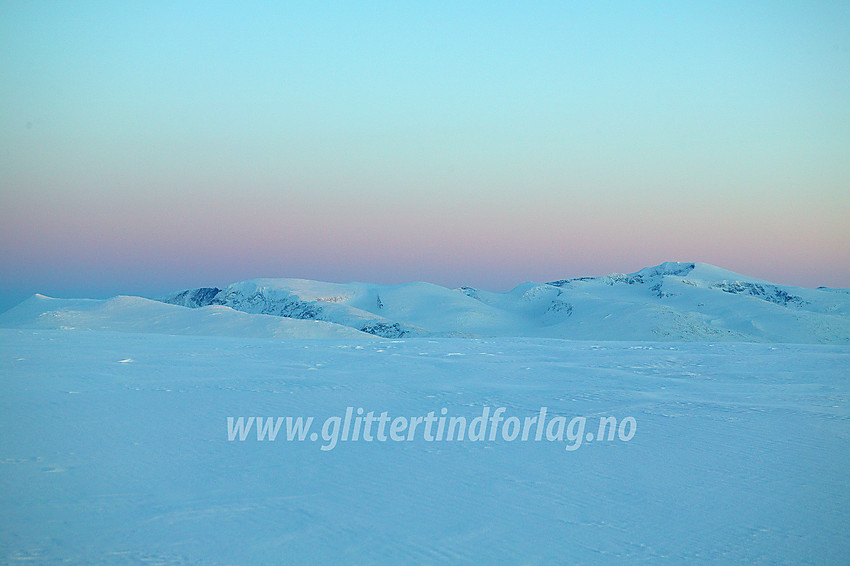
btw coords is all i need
(668, 302)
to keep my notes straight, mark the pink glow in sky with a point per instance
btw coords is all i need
(149, 148)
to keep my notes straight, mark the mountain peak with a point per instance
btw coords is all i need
(695, 270)
(677, 268)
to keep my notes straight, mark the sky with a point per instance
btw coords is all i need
(148, 147)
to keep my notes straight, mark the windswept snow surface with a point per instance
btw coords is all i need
(672, 301)
(115, 450)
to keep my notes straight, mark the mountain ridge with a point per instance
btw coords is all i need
(672, 301)
(669, 301)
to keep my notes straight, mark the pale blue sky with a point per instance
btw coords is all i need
(480, 142)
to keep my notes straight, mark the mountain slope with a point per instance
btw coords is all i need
(670, 301)
(135, 314)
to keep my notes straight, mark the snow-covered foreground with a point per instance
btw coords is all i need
(115, 451)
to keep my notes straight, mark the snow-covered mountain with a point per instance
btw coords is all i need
(136, 314)
(671, 301)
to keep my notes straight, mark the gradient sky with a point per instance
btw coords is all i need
(148, 147)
